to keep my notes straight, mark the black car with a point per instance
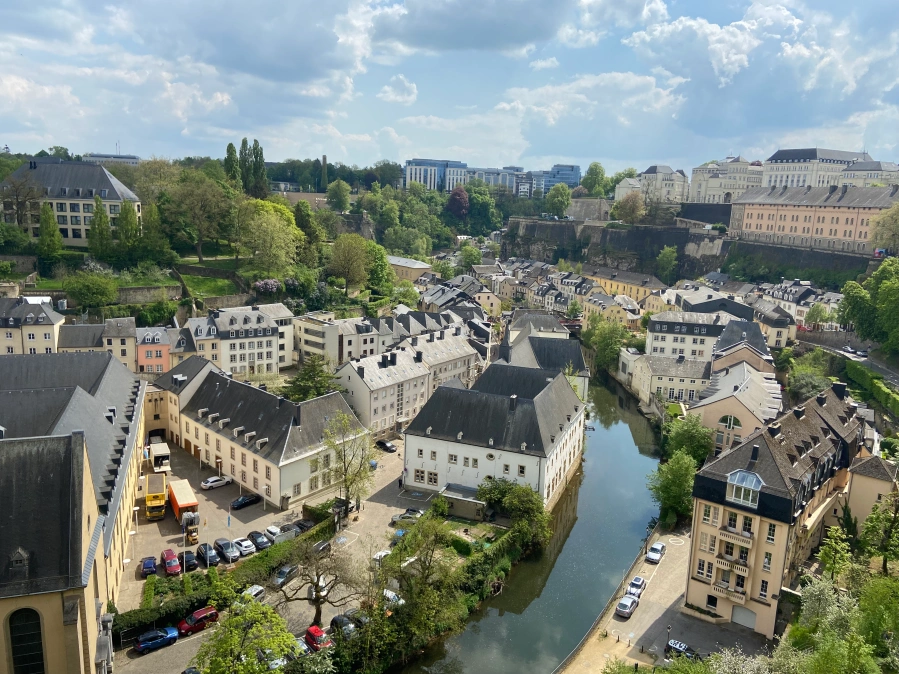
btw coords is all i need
(188, 561)
(359, 618)
(304, 525)
(207, 554)
(386, 446)
(259, 540)
(244, 501)
(291, 529)
(341, 625)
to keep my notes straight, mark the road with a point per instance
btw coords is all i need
(888, 374)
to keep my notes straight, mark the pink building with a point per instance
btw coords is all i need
(152, 350)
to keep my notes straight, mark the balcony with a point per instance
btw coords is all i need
(741, 538)
(727, 593)
(737, 565)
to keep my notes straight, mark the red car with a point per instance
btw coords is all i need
(170, 562)
(317, 639)
(198, 620)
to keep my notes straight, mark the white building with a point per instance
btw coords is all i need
(812, 166)
(515, 423)
(447, 354)
(870, 173)
(662, 183)
(625, 187)
(720, 182)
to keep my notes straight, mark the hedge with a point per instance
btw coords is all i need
(873, 382)
(149, 592)
(168, 614)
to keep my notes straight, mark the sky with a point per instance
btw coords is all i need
(489, 82)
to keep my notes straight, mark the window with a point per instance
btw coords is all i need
(243, 476)
(419, 475)
(255, 465)
(520, 471)
(432, 478)
(47, 335)
(313, 483)
(255, 483)
(453, 458)
(26, 642)
(740, 583)
(433, 456)
(243, 459)
(700, 568)
(766, 565)
(31, 337)
(465, 462)
(474, 463)
(763, 589)
(731, 520)
(703, 542)
(747, 524)
(729, 550)
(505, 469)
(421, 453)
(712, 543)
(743, 488)
(268, 472)
(772, 530)
(729, 422)
(298, 489)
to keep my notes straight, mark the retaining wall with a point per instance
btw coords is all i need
(836, 339)
(147, 294)
(22, 264)
(225, 301)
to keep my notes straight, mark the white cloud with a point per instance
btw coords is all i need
(624, 13)
(578, 37)
(543, 64)
(400, 90)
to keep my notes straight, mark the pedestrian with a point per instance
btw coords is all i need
(399, 483)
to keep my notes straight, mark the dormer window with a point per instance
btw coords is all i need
(246, 319)
(199, 332)
(743, 488)
(232, 321)
(240, 334)
(40, 319)
(180, 342)
(212, 330)
(232, 333)
(156, 339)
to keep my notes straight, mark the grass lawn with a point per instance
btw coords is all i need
(220, 263)
(201, 286)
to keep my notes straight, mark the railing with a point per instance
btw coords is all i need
(727, 593)
(737, 565)
(745, 539)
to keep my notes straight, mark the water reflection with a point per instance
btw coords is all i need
(549, 602)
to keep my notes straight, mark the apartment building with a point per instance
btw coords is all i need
(515, 423)
(448, 355)
(269, 445)
(407, 269)
(242, 340)
(776, 324)
(662, 183)
(686, 334)
(673, 379)
(870, 174)
(812, 167)
(759, 508)
(703, 300)
(104, 159)
(69, 187)
(616, 282)
(386, 391)
(118, 336)
(549, 354)
(536, 323)
(71, 431)
(619, 309)
(626, 186)
(720, 182)
(28, 328)
(795, 297)
(822, 218)
(660, 300)
(153, 350)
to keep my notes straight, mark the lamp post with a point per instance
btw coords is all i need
(669, 635)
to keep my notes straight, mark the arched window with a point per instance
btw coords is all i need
(730, 422)
(26, 642)
(743, 487)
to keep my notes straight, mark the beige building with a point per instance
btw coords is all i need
(70, 188)
(611, 309)
(28, 328)
(661, 183)
(668, 379)
(625, 187)
(720, 182)
(871, 478)
(617, 282)
(760, 508)
(407, 269)
(447, 355)
(660, 300)
(64, 565)
(240, 340)
(775, 322)
(118, 336)
(870, 174)
(808, 167)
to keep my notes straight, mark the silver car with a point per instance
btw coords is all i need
(655, 554)
(626, 606)
(244, 546)
(636, 586)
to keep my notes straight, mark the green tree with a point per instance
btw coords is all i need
(404, 292)
(5, 270)
(154, 244)
(315, 235)
(849, 525)
(339, 196)
(530, 521)
(630, 208)
(671, 485)
(245, 164)
(804, 385)
(783, 359)
(235, 645)
(199, 207)
(314, 663)
(49, 243)
(313, 380)
(470, 257)
(817, 314)
(563, 265)
(258, 176)
(91, 290)
(353, 452)
(232, 164)
(880, 532)
(835, 554)
(666, 262)
(558, 199)
(885, 229)
(100, 235)
(127, 233)
(689, 436)
(381, 276)
(574, 310)
(274, 241)
(443, 269)
(594, 180)
(349, 260)
(644, 320)
(606, 339)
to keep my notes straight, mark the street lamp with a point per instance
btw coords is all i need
(669, 635)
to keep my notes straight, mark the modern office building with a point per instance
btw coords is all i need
(104, 159)
(435, 174)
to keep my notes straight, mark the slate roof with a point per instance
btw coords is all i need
(16, 312)
(544, 353)
(758, 391)
(872, 166)
(150, 335)
(120, 327)
(191, 368)
(632, 278)
(846, 196)
(875, 467)
(376, 375)
(544, 321)
(693, 317)
(81, 336)
(674, 367)
(742, 332)
(485, 412)
(40, 479)
(56, 174)
(439, 350)
(658, 168)
(56, 394)
(225, 320)
(407, 262)
(769, 312)
(820, 153)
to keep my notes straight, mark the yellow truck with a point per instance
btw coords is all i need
(156, 496)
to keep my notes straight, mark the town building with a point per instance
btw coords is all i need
(660, 300)
(820, 218)
(386, 391)
(742, 341)
(28, 328)
(270, 446)
(700, 299)
(685, 334)
(776, 324)
(569, 174)
(625, 187)
(407, 269)
(106, 159)
(720, 182)
(153, 350)
(759, 508)
(435, 174)
(812, 167)
(448, 355)
(870, 174)
(241, 340)
(121, 338)
(71, 435)
(514, 423)
(536, 323)
(461, 290)
(669, 379)
(795, 297)
(616, 282)
(661, 183)
(871, 478)
(619, 309)
(69, 187)
(549, 354)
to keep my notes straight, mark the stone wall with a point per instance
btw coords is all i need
(225, 301)
(147, 294)
(589, 209)
(836, 339)
(22, 264)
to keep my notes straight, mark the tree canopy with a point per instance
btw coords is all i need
(558, 199)
(671, 484)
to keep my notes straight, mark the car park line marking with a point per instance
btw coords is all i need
(674, 540)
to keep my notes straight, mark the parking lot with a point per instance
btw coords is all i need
(367, 532)
(642, 637)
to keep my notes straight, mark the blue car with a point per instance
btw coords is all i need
(150, 641)
(147, 567)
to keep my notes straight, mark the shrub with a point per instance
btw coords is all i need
(268, 286)
(461, 546)
(186, 584)
(149, 592)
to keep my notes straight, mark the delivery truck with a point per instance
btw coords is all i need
(155, 504)
(182, 498)
(160, 455)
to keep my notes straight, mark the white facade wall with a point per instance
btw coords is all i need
(426, 175)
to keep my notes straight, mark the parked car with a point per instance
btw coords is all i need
(302, 648)
(378, 558)
(341, 624)
(386, 446)
(226, 550)
(862, 353)
(170, 561)
(244, 546)
(244, 501)
(215, 481)
(358, 617)
(304, 525)
(147, 566)
(655, 554)
(680, 648)
(322, 547)
(291, 529)
(343, 505)
(393, 599)
(207, 554)
(272, 532)
(404, 518)
(848, 349)
(626, 606)
(150, 641)
(188, 561)
(255, 592)
(198, 620)
(414, 511)
(317, 639)
(259, 540)
(285, 574)
(636, 586)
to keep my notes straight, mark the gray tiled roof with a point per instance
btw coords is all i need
(844, 197)
(88, 336)
(740, 332)
(819, 153)
(872, 166)
(407, 262)
(758, 391)
(56, 174)
(16, 312)
(632, 278)
(874, 466)
(674, 367)
(376, 377)
(544, 353)
(658, 168)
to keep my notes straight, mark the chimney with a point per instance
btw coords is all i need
(418, 356)
(361, 371)
(833, 188)
(393, 358)
(297, 415)
(717, 318)
(821, 399)
(808, 188)
(755, 453)
(458, 330)
(799, 411)
(774, 429)
(708, 297)
(681, 358)
(513, 402)
(431, 337)
(415, 341)
(384, 359)
(441, 335)
(839, 388)
(281, 400)
(843, 190)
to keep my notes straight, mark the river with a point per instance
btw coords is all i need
(550, 602)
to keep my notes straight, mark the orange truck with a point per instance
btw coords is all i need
(182, 499)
